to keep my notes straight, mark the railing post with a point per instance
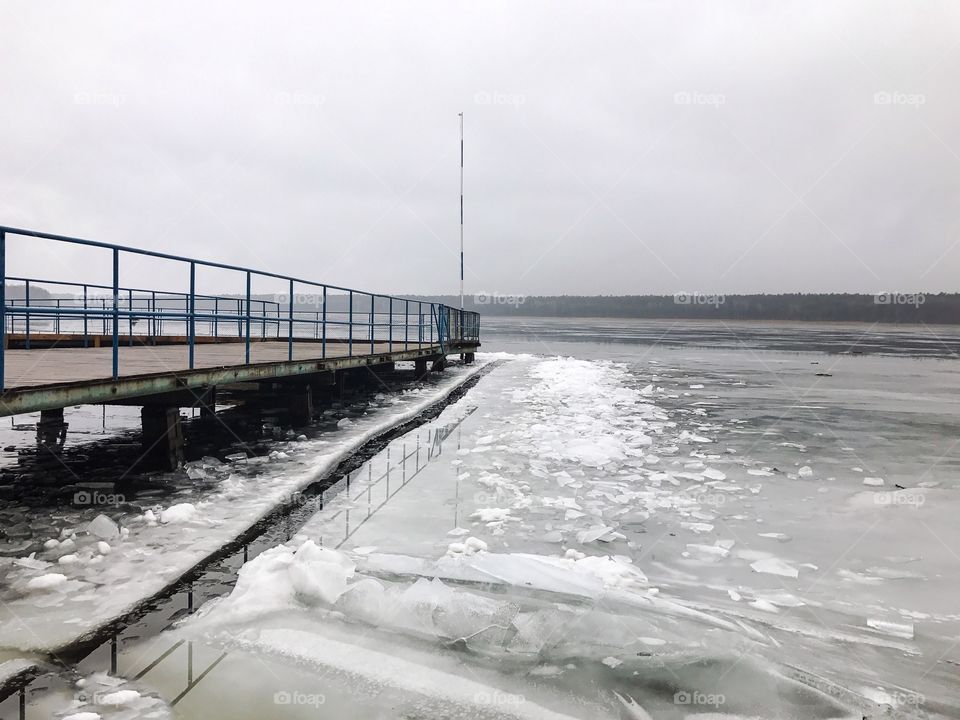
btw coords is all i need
(3, 304)
(373, 308)
(86, 342)
(153, 316)
(350, 326)
(192, 313)
(216, 311)
(390, 327)
(26, 311)
(130, 317)
(116, 313)
(248, 319)
(406, 324)
(323, 345)
(289, 325)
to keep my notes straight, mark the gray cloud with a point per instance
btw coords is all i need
(611, 148)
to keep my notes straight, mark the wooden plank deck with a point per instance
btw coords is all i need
(37, 367)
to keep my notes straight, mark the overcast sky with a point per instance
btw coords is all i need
(610, 147)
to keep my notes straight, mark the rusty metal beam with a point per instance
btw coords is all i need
(108, 391)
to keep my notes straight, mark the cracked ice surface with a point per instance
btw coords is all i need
(568, 534)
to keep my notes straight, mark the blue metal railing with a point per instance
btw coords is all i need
(325, 314)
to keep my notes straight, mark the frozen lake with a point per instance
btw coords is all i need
(623, 520)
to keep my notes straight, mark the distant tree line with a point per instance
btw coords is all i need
(18, 291)
(942, 308)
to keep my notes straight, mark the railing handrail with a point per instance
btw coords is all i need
(196, 261)
(146, 291)
(442, 325)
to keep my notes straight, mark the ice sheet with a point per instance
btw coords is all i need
(49, 603)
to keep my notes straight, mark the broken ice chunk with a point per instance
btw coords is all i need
(46, 582)
(103, 527)
(774, 536)
(652, 641)
(899, 630)
(775, 566)
(712, 551)
(475, 544)
(764, 605)
(179, 513)
(119, 697)
(492, 514)
(594, 533)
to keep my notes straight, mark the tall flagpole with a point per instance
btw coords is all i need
(461, 211)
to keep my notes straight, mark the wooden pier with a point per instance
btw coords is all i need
(168, 350)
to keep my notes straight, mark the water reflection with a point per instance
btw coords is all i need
(140, 653)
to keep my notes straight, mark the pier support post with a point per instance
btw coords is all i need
(300, 405)
(51, 430)
(419, 368)
(440, 364)
(468, 358)
(208, 404)
(323, 388)
(162, 436)
(324, 379)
